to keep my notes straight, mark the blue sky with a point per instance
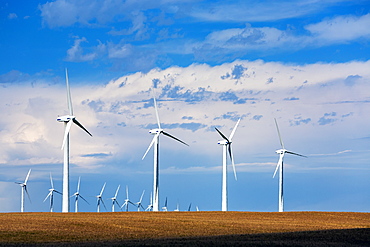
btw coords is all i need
(305, 63)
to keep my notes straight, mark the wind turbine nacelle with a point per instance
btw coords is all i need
(66, 118)
(223, 142)
(155, 131)
(280, 151)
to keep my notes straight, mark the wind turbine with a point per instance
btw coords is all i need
(139, 205)
(127, 201)
(155, 143)
(226, 143)
(100, 199)
(77, 195)
(281, 153)
(150, 206)
(177, 207)
(114, 199)
(24, 189)
(67, 120)
(51, 194)
(164, 209)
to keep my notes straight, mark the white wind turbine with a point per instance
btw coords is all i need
(139, 204)
(127, 201)
(177, 207)
(77, 195)
(24, 189)
(226, 143)
(114, 199)
(164, 209)
(150, 206)
(100, 199)
(67, 120)
(51, 194)
(155, 143)
(281, 153)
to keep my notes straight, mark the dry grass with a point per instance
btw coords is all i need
(100, 227)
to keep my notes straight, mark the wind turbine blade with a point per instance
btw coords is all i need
(28, 195)
(102, 190)
(233, 132)
(84, 199)
(156, 111)
(82, 127)
(150, 145)
(166, 134)
(58, 192)
(115, 201)
(69, 99)
(289, 152)
(104, 205)
(278, 164)
(78, 185)
(51, 202)
(66, 132)
(126, 192)
(47, 196)
(232, 161)
(141, 198)
(117, 191)
(51, 181)
(281, 140)
(222, 135)
(28, 175)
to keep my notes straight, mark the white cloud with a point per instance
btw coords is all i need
(341, 29)
(76, 52)
(192, 100)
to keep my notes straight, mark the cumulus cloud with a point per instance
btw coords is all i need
(191, 100)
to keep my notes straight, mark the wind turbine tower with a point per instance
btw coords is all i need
(155, 143)
(67, 120)
(24, 189)
(281, 152)
(226, 145)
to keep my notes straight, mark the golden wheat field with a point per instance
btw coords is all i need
(181, 228)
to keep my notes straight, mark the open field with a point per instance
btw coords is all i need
(184, 228)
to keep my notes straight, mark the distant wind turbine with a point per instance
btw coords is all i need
(150, 206)
(100, 199)
(155, 143)
(281, 153)
(67, 120)
(78, 195)
(165, 206)
(177, 207)
(51, 194)
(114, 199)
(139, 204)
(127, 200)
(24, 189)
(226, 143)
